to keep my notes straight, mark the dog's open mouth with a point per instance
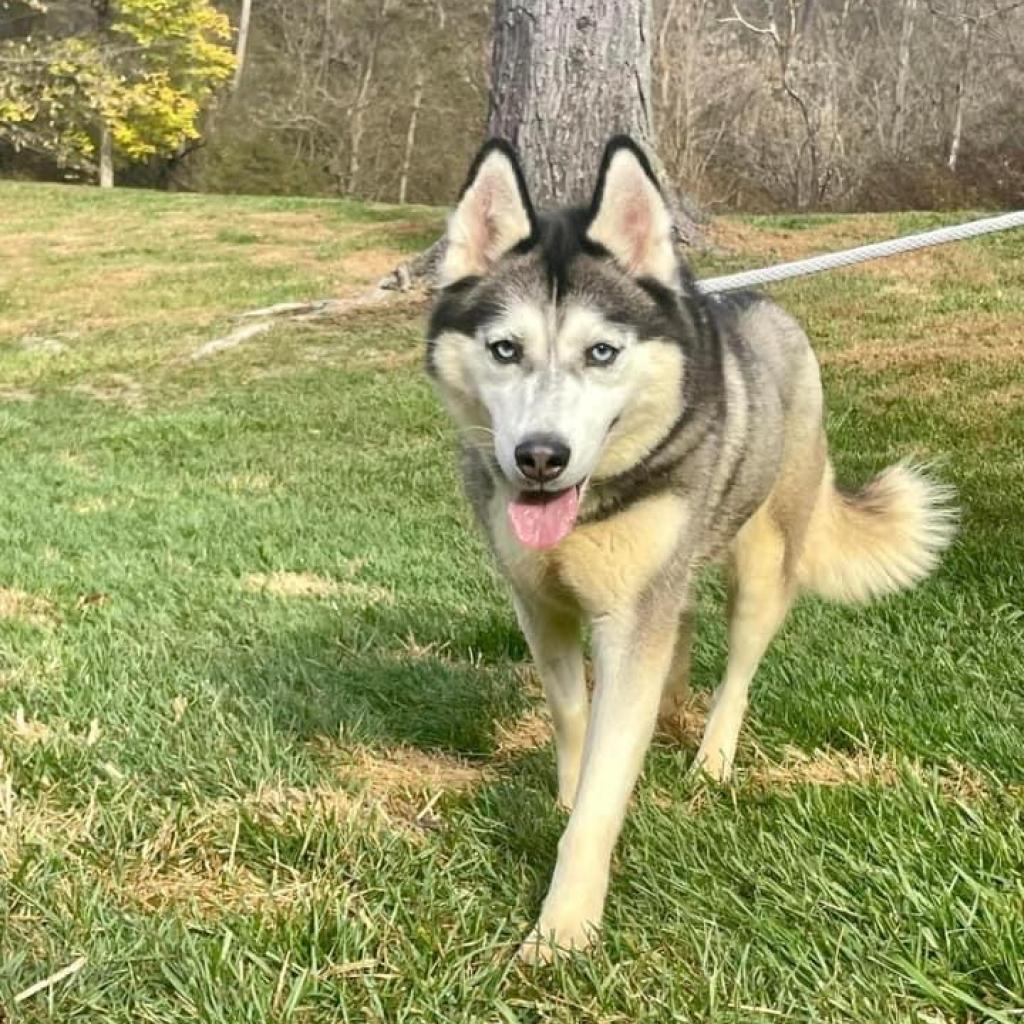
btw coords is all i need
(540, 519)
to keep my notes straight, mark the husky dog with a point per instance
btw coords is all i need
(620, 429)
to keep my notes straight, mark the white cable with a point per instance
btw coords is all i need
(862, 253)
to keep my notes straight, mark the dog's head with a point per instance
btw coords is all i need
(556, 339)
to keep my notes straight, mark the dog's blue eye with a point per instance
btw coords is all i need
(601, 354)
(506, 351)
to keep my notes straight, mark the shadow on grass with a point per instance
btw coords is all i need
(366, 683)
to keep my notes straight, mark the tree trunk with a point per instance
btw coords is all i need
(565, 77)
(410, 135)
(961, 94)
(355, 137)
(899, 114)
(357, 120)
(242, 44)
(106, 156)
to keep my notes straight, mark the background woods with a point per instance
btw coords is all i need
(758, 104)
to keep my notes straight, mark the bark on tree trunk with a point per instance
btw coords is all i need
(564, 78)
(106, 157)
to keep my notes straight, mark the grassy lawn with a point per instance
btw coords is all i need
(270, 749)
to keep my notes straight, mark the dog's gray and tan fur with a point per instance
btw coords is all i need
(698, 438)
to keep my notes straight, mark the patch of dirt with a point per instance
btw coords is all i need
(25, 607)
(16, 395)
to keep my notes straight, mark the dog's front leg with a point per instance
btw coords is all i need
(632, 657)
(553, 634)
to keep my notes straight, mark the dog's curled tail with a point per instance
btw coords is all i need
(886, 537)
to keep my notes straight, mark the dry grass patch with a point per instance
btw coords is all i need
(190, 863)
(30, 731)
(864, 767)
(94, 505)
(990, 338)
(926, 271)
(369, 265)
(116, 389)
(685, 725)
(250, 483)
(784, 244)
(401, 771)
(530, 732)
(36, 824)
(310, 585)
(20, 606)
(209, 888)
(404, 783)
(291, 584)
(42, 344)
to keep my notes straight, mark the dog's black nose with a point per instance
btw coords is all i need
(542, 458)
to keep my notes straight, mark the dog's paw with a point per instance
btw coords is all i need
(546, 942)
(714, 764)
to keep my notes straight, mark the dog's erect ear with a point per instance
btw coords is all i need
(494, 214)
(629, 215)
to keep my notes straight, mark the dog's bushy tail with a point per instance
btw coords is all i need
(886, 537)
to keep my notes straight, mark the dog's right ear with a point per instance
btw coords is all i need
(493, 216)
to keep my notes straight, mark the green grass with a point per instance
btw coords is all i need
(201, 786)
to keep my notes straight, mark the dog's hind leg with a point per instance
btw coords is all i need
(677, 683)
(554, 638)
(761, 592)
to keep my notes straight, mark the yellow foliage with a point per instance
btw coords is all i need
(147, 74)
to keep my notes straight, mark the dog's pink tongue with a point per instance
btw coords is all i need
(542, 524)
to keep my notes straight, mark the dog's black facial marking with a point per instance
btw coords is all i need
(561, 238)
(464, 306)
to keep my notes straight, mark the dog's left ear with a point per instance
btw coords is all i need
(629, 216)
(493, 216)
